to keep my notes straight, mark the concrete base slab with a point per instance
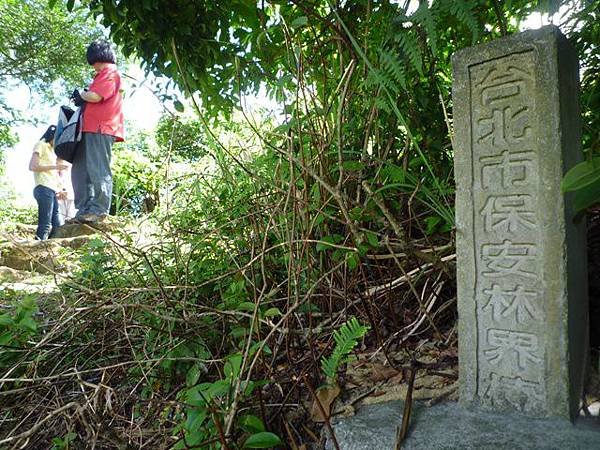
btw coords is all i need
(450, 426)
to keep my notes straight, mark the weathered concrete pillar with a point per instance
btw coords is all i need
(521, 257)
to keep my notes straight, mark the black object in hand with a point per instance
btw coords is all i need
(76, 97)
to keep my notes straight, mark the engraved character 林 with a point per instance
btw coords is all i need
(518, 302)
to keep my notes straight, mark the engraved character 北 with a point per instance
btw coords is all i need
(506, 343)
(509, 259)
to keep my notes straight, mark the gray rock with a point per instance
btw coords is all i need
(10, 275)
(450, 426)
(39, 256)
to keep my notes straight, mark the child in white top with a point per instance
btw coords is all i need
(45, 167)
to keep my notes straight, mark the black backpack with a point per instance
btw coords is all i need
(68, 133)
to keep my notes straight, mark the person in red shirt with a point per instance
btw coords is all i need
(102, 125)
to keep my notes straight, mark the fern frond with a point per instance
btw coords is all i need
(464, 11)
(409, 44)
(427, 18)
(391, 69)
(346, 338)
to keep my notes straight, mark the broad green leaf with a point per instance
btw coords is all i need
(299, 22)
(238, 332)
(5, 320)
(352, 260)
(251, 424)
(372, 239)
(263, 439)
(272, 312)
(29, 323)
(70, 4)
(194, 437)
(432, 223)
(193, 375)
(195, 418)
(233, 366)
(178, 106)
(323, 245)
(583, 174)
(245, 306)
(353, 165)
(6, 338)
(587, 196)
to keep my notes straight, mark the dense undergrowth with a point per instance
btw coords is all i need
(218, 329)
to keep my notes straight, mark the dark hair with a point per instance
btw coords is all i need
(100, 51)
(49, 134)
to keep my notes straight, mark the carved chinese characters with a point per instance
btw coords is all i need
(509, 316)
(517, 243)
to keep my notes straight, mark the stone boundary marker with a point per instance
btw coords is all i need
(521, 257)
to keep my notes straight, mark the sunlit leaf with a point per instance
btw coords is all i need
(263, 439)
(299, 22)
(583, 174)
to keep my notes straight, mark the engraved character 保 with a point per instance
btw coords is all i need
(508, 213)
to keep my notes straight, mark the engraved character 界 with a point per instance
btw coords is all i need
(506, 343)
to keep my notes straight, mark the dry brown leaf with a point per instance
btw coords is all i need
(398, 378)
(382, 373)
(326, 395)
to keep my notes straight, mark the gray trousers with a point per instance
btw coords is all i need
(91, 175)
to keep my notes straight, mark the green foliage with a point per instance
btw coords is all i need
(346, 338)
(42, 48)
(40, 45)
(182, 138)
(64, 443)
(16, 329)
(584, 180)
(136, 177)
(96, 264)
(200, 33)
(265, 224)
(11, 213)
(264, 439)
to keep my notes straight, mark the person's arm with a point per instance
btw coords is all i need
(91, 97)
(35, 166)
